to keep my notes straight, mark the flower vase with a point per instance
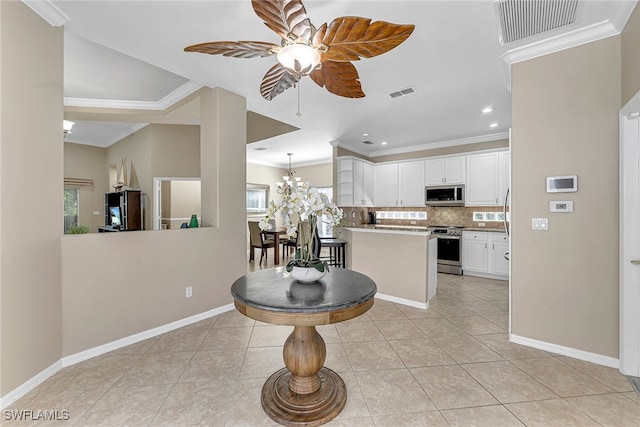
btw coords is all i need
(307, 274)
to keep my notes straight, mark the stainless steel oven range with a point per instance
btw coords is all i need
(449, 248)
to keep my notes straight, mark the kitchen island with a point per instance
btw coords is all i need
(400, 260)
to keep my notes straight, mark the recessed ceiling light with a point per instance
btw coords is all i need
(634, 114)
(260, 148)
(365, 134)
(487, 110)
(493, 125)
(384, 143)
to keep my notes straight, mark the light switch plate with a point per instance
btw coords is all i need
(539, 223)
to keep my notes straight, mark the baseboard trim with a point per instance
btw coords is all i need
(141, 336)
(81, 356)
(26, 387)
(598, 359)
(410, 303)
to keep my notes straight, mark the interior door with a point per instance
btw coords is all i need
(630, 238)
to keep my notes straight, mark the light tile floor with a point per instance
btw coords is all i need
(450, 365)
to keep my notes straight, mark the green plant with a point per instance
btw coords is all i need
(78, 229)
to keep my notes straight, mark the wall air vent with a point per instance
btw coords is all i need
(367, 142)
(402, 92)
(519, 19)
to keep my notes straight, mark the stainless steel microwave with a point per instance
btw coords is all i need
(444, 195)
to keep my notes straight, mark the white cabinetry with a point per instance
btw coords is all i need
(411, 183)
(355, 182)
(482, 180)
(487, 178)
(399, 184)
(483, 254)
(446, 170)
(386, 184)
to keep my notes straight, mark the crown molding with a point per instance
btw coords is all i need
(441, 144)
(297, 165)
(350, 148)
(164, 103)
(133, 129)
(48, 11)
(588, 34)
(622, 14)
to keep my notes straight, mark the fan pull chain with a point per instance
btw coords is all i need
(298, 113)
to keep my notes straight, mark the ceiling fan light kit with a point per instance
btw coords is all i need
(324, 54)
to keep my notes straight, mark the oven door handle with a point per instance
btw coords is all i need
(449, 236)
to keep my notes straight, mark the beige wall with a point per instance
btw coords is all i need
(87, 162)
(318, 175)
(31, 212)
(118, 284)
(185, 199)
(175, 151)
(565, 121)
(631, 56)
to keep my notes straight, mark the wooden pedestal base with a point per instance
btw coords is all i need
(292, 409)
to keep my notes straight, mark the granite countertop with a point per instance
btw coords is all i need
(486, 229)
(403, 229)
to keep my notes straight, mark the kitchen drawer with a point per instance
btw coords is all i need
(475, 235)
(499, 237)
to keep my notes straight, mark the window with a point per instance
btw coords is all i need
(71, 198)
(257, 198)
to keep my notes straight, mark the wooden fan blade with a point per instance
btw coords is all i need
(350, 38)
(241, 49)
(276, 81)
(285, 17)
(340, 78)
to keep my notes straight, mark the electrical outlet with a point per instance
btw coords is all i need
(188, 292)
(413, 222)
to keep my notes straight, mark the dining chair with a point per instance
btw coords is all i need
(257, 241)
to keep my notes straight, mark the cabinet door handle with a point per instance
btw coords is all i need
(485, 246)
(494, 246)
(635, 261)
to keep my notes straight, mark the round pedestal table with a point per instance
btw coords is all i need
(305, 393)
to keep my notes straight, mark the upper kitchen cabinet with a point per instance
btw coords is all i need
(399, 184)
(411, 183)
(386, 184)
(487, 178)
(355, 182)
(447, 170)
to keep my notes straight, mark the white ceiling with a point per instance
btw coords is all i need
(130, 54)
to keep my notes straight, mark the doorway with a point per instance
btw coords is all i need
(175, 200)
(629, 361)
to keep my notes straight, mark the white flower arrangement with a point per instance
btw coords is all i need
(303, 203)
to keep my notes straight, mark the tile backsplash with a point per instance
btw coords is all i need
(436, 215)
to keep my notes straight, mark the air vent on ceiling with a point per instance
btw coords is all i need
(367, 142)
(402, 92)
(519, 19)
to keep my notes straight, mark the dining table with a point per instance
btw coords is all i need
(276, 240)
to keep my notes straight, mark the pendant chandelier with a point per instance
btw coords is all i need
(287, 187)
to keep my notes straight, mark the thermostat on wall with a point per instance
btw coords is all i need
(562, 184)
(561, 206)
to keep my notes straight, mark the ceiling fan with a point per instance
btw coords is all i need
(323, 53)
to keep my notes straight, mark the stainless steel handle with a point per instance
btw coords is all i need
(485, 246)
(635, 261)
(504, 213)
(494, 246)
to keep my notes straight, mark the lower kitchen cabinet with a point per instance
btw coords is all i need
(483, 254)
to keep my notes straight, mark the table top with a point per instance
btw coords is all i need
(275, 290)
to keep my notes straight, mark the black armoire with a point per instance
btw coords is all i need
(129, 202)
